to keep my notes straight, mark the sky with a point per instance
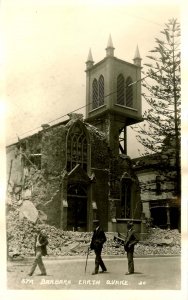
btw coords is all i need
(46, 47)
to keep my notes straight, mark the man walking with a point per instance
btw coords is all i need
(130, 241)
(40, 250)
(98, 239)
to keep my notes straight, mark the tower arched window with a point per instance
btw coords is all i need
(77, 148)
(95, 94)
(120, 89)
(129, 92)
(101, 90)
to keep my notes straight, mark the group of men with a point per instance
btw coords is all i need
(99, 238)
(97, 242)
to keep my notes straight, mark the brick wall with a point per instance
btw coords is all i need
(54, 149)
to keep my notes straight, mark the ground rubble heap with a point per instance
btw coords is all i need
(21, 236)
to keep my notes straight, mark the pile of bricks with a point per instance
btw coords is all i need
(21, 236)
(160, 242)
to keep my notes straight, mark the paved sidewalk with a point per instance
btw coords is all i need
(151, 273)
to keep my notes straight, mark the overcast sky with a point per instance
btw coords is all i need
(47, 44)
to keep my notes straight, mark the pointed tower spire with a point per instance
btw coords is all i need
(110, 44)
(110, 48)
(89, 62)
(90, 57)
(137, 59)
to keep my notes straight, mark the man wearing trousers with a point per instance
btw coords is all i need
(98, 239)
(40, 250)
(130, 241)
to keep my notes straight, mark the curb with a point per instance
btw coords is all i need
(90, 257)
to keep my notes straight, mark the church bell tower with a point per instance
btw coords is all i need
(113, 96)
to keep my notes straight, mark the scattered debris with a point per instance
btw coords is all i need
(21, 236)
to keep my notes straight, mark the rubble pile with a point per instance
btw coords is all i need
(21, 237)
(160, 242)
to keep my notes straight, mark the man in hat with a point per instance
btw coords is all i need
(130, 241)
(40, 250)
(97, 241)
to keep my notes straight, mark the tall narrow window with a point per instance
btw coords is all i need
(129, 92)
(126, 198)
(95, 94)
(76, 148)
(101, 90)
(158, 185)
(120, 90)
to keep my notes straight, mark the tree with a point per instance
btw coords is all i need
(160, 131)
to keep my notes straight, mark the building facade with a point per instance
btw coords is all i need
(157, 178)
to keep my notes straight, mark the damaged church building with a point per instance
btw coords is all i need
(77, 171)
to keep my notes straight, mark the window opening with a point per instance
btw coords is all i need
(158, 185)
(123, 141)
(101, 90)
(95, 94)
(77, 148)
(129, 92)
(120, 90)
(126, 198)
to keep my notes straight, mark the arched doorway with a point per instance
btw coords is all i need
(77, 207)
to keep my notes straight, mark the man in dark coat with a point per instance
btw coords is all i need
(41, 242)
(130, 241)
(98, 239)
